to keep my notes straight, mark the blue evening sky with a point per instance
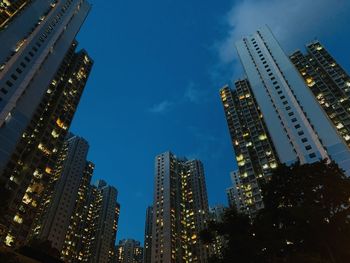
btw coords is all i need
(158, 68)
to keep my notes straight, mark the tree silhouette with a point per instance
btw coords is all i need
(306, 219)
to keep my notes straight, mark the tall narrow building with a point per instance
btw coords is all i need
(147, 251)
(180, 210)
(129, 251)
(329, 83)
(297, 128)
(41, 82)
(70, 188)
(105, 228)
(235, 196)
(255, 153)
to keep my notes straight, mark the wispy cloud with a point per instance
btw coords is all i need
(192, 94)
(294, 22)
(161, 107)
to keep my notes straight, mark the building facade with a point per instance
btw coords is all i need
(329, 83)
(147, 251)
(235, 192)
(41, 81)
(296, 127)
(129, 251)
(180, 210)
(255, 154)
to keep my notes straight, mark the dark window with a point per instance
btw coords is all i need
(279, 92)
(22, 64)
(19, 70)
(14, 77)
(291, 113)
(9, 83)
(294, 120)
(35, 49)
(288, 108)
(282, 97)
(27, 59)
(300, 133)
(270, 74)
(285, 102)
(3, 90)
(31, 53)
(304, 139)
(277, 87)
(264, 62)
(274, 83)
(297, 126)
(312, 155)
(273, 78)
(308, 147)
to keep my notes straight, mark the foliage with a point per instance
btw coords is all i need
(306, 219)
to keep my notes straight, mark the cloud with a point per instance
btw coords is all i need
(161, 107)
(293, 22)
(195, 94)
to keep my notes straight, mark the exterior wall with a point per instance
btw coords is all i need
(129, 251)
(55, 220)
(235, 192)
(32, 63)
(148, 236)
(180, 210)
(299, 128)
(329, 83)
(255, 154)
(106, 225)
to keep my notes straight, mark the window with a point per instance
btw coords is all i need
(291, 113)
(27, 59)
(304, 140)
(279, 92)
(285, 102)
(14, 77)
(312, 155)
(294, 120)
(300, 133)
(274, 83)
(19, 70)
(282, 97)
(3, 90)
(35, 49)
(288, 108)
(297, 126)
(31, 53)
(308, 147)
(9, 83)
(22, 64)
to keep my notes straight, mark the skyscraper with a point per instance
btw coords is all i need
(41, 81)
(255, 154)
(62, 203)
(235, 192)
(180, 210)
(329, 83)
(147, 251)
(105, 228)
(295, 126)
(129, 251)
(299, 128)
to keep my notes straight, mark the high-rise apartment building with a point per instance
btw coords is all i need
(129, 251)
(41, 82)
(217, 214)
(102, 250)
(69, 189)
(255, 154)
(234, 193)
(147, 251)
(291, 121)
(180, 210)
(329, 83)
